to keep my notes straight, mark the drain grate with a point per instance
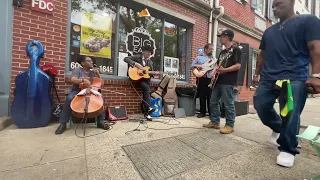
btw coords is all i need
(164, 158)
(214, 145)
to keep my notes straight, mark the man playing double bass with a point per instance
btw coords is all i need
(77, 78)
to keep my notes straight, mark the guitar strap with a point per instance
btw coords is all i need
(222, 61)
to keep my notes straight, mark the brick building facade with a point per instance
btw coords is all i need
(185, 23)
(52, 31)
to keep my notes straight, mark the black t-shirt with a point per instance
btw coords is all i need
(232, 56)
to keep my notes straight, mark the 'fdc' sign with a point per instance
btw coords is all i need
(138, 38)
(45, 6)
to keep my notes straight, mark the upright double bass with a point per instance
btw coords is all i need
(89, 102)
(32, 103)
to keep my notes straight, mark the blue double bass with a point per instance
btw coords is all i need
(32, 103)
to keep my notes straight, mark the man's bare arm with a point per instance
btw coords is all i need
(260, 62)
(75, 80)
(232, 68)
(314, 51)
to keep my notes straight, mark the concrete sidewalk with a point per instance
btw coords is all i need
(176, 150)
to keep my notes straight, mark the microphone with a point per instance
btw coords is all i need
(87, 99)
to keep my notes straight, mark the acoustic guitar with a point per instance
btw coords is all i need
(136, 74)
(207, 66)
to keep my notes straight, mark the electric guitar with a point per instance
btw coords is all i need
(136, 74)
(223, 59)
(207, 66)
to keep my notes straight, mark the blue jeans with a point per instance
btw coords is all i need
(225, 93)
(264, 100)
(67, 111)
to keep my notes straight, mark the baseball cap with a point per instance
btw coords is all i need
(227, 32)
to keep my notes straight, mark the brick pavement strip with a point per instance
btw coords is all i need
(164, 158)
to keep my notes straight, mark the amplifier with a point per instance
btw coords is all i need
(116, 113)
(242, 107)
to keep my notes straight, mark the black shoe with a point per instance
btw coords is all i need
(102, 125)
(148, 117)
(151, 110)
(201, 115)
(61, 128)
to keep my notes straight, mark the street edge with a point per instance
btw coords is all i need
(5, 123)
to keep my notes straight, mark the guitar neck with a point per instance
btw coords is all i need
(155, 72)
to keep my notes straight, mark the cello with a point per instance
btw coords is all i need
(88, 103)
(31, 106)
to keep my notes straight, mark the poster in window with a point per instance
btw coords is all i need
(122, 66)
(96, 33)
(171, 66)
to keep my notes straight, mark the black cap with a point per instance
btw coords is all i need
(147, 48)
(227, 32)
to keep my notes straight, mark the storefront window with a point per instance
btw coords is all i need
(93, 32)
(175, 50)
(135, 32)
(93, 28)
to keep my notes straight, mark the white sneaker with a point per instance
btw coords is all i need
(274, 137)
(148, 117)
(285, 159)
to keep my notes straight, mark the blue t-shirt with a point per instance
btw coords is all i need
(286, 54)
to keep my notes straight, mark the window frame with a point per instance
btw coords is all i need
(116, 55)
(306, 4)
(255, 53)
(263, 9)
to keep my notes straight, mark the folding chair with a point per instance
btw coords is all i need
(310, 134)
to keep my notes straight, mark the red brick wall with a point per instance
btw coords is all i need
(240, 12)
(51, 31)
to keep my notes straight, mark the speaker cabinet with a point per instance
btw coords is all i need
(242, 107)
(244, 61)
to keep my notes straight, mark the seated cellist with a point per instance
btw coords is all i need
(77, 78)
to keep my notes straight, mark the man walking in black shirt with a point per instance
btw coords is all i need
(229, 59)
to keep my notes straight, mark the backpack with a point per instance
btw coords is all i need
(156, 103)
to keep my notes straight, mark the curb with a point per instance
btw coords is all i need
(303, 126)
(7, 121)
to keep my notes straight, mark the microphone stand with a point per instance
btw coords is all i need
(87, 99)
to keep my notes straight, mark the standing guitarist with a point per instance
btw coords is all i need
(140, 61)
(229, 65)
(203, 90)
